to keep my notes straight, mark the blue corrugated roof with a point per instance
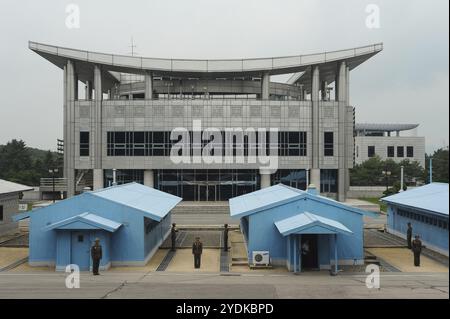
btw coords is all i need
(86, 218)
(277, 195)
(154, 203)
(302, 222)
(262, 199)
(432, 197)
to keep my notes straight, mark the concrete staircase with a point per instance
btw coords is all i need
(238, 250)
(202, 208)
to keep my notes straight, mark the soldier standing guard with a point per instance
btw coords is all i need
(417, 249)
(225, 237)
(173, 235)
(409, 235)
(96, 254)
(197, 249)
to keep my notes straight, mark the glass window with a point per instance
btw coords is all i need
(400, 151)
(390, 151)
(371, 151)
(1, 212)
(84, 143)
(410, 151)
(328, 144)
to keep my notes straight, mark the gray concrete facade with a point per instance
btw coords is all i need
(221, 94)
(385, 138)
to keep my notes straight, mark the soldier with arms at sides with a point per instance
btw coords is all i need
(197, 249)
(96, 254)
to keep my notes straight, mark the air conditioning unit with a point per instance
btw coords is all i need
(260, 257)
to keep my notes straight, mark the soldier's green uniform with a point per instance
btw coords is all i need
(409, 235)
(173, 235)
(197, 249)
(96, 254)
(417, 249)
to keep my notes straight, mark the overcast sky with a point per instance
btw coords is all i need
(407, 83)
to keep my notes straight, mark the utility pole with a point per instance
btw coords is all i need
(431, 170)
(132, 47)
(401, 178)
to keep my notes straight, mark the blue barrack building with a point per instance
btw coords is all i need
(280, 220)
(426, 208)
(131, 221)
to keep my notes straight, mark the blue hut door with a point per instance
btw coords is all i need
(80, 249)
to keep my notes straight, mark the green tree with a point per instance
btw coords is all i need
(440, 166)
(370, 173)
(21, 164)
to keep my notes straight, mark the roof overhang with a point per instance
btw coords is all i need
(85, 221)
(84, 61)
(308, 223)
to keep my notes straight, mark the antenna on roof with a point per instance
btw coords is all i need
(133, 46)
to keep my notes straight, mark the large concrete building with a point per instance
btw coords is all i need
(373, 139)
(132, 104)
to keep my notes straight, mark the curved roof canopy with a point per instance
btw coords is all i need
(384, 127)
(207, 67)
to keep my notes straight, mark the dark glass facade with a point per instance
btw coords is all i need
(123, 176)
(207, 185)
(159, 143)
(290, 177)
(84, 143)
(328, 180)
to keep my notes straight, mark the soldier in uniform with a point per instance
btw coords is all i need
(417, 249)
(409, 235)
(225, 237)
(197, 249)
(96, 254)
(173, 235)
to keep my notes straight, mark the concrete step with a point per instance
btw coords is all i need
(201, 208)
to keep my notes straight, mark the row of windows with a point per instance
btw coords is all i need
(423, 218)
(391, 151)
(160, 144)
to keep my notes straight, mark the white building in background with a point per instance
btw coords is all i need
(385, 141)
(10, 194)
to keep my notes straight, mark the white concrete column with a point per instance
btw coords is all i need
(265, 178)
(97, 127)
(315, 178)
(69, 132)
(148, 86)
(98, 178)
(265, 86)
(315, 118)
(149, 179)
(342, 91)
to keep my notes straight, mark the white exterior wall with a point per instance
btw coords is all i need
(10, 203)
(382, 142)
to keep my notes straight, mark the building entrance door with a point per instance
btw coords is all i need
(207, 192)
(308, 249)
(202, 192)
(80, 246)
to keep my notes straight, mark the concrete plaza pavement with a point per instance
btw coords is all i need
(403, 260)
(152, 284)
